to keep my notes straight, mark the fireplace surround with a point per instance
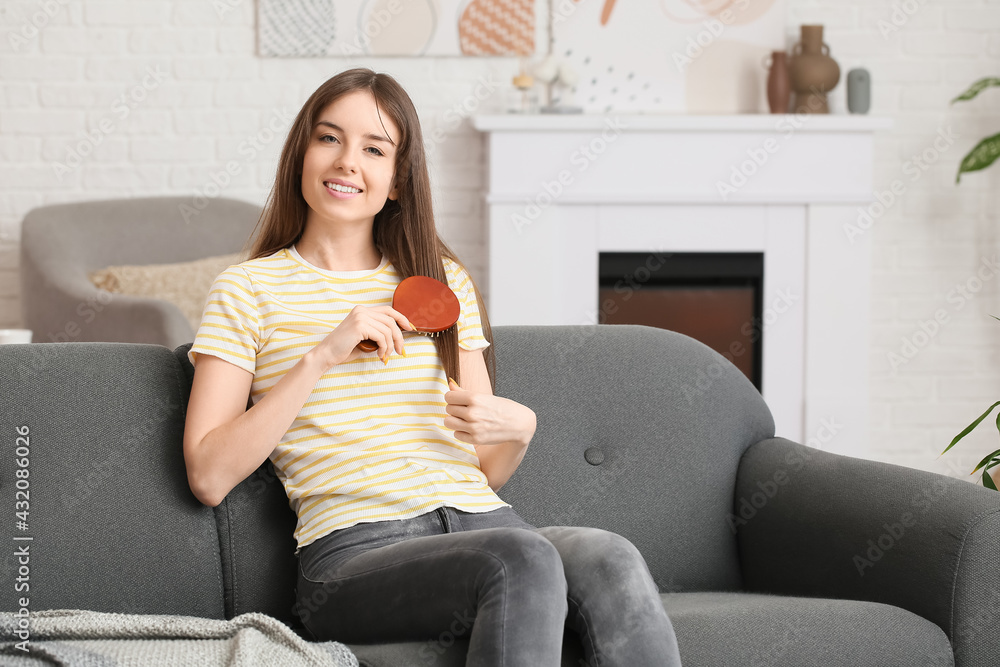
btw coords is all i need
(562, 189)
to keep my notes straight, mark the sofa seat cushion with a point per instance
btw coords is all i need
(447, 650)
(726, 629)
(733, 629)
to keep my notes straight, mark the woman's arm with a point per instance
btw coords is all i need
(500, 429)
(223, 441)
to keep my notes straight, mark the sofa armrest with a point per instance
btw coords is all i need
(813, 523)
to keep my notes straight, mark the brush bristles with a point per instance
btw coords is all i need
(432, 334)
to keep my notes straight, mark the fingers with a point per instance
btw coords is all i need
(402, 321)
(458, 426)
(453, 399)
(383, 331)
(383, 327)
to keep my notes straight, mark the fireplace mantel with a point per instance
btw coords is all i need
(727, 123)
(562, 189)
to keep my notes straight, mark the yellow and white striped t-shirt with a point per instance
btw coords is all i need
(370, 442)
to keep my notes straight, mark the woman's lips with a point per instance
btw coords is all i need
(338, 193)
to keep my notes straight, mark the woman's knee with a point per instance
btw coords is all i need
(599, 554)
(524, 556)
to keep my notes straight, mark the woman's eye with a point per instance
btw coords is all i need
(327, 136)
(375, 151)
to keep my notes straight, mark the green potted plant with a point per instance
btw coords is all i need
(992, 460)
(986, 151)
(983, 155)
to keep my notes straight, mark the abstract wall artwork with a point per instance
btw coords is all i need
(301, 28)
(673, 56)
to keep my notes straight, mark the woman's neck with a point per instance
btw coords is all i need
(349, 253)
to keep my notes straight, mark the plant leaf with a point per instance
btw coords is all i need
(988, 481)
(968, 429)
(983, 155)
(989, 462)
(977, 88)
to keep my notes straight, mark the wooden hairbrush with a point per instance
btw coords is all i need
(429, 304)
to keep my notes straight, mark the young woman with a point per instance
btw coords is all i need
(392, 469)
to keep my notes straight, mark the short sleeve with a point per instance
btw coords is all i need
(470, 328)
(229, 327)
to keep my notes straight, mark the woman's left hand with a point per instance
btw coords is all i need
(484, 419)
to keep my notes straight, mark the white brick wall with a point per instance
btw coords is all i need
(170, 136)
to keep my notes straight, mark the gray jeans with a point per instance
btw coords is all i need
(509, 587)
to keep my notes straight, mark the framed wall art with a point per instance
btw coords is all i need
(302, 28)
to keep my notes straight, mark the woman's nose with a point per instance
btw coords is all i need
(346, 160)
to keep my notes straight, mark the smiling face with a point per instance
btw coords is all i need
(349, 163)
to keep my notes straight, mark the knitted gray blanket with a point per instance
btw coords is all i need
(78, 638)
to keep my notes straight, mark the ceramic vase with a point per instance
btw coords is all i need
(859, 90)
(812, 71)
(779, 86)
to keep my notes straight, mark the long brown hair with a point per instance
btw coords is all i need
(404, 230)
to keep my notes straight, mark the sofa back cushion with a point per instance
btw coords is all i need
(256, 527)
(640, 432)
(114, 525)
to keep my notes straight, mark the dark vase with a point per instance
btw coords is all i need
(779, 85)
(813, 72)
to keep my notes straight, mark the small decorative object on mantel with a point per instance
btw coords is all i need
(779, 86)
(859, 91)
(813, 72)
(560, 78)
(525, 99)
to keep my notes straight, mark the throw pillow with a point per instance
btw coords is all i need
(185, 284)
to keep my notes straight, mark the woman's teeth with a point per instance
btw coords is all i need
(341, 188)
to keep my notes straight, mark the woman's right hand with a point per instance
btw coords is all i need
(381, 324)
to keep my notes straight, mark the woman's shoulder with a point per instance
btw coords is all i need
(277, 260)
(453, 268)
(459, 278)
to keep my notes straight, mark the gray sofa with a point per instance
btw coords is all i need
(766, 552)
(62, 243)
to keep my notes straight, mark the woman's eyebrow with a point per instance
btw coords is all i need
(370, 135)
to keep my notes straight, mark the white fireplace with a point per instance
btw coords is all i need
(562, 189)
